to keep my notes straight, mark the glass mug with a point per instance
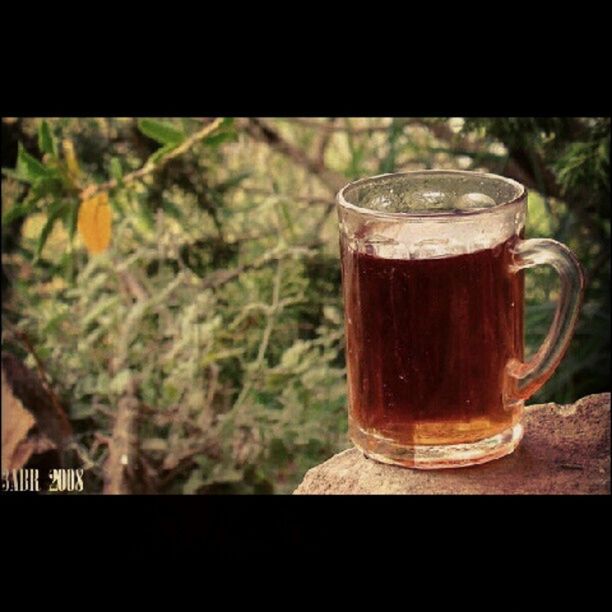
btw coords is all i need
(433, 289)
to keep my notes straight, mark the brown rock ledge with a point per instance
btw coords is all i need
(566, 450)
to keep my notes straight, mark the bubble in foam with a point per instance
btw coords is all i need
(434, 199)
(381, 202)
(408, 201)
(473, 200)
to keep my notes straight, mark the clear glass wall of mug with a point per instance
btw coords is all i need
(433, 287)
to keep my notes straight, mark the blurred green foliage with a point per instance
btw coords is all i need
(219, 297)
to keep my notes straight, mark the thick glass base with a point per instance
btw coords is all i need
(430, 457)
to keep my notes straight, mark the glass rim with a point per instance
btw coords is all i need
(521, 194)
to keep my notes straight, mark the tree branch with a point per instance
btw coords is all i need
(263, 132)
(152, 166)
(298, 198)
(324, 141)
(330, 128)
(519, 165)
(122, 462)
(219, 278)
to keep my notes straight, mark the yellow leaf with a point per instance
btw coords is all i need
(95, 222)
(71, 160)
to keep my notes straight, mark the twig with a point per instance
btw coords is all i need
(318, 226)
(152, 166)
(221, 277)
(334, 181)
(86, 461)
(185, 461)
(260, 130)
(207, 410)
(297, 198)
(140, 309)
(517, 166)
(131, 285)
(330, 128)
(122, 462)
(265, 339)
(324, 141)
(529, 167)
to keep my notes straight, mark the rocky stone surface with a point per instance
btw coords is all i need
(565, 450)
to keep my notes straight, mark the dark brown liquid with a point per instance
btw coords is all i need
(428, 341)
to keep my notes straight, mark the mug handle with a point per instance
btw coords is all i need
(525, 378)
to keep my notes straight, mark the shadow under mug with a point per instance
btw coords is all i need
(433, 288)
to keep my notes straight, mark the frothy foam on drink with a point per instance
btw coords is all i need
(425, 238)
(410, 201)
(439, 219)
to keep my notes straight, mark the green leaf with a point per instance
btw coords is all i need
(332, 314)
(171, 209)
(18, 210)
(119, 381)
(278, 454)
(81, 410)
(387, 164)
(161, 152)
(293, 355)
(287, 217)
(232, 182)
(73, 217)
(8, 172)
(117, 206)
(55, 212)
(46, 142)
(29, 168)
(194, 483)
(116, 170)
(103, 305)
(161, 131)
(216, 139)
(146, 214)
